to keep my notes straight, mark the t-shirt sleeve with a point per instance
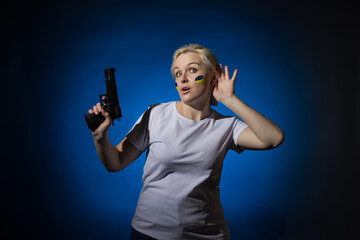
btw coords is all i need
(238, 127)
(139, 134)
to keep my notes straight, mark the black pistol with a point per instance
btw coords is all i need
(112, 102)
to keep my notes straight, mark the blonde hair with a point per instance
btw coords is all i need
(206, 56)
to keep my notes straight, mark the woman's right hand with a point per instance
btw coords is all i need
(104, 127)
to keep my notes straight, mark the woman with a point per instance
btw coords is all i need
(187, 142)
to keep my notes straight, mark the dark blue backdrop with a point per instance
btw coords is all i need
(298, 65)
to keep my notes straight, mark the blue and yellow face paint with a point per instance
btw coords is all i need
(199, 79)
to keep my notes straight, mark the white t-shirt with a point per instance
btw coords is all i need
(180, 198)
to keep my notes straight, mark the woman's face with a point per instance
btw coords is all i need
(192, 78)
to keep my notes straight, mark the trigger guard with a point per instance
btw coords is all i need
(101, 101)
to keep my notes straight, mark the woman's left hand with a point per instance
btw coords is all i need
(225, 86)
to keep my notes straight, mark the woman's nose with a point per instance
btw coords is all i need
(183, 80)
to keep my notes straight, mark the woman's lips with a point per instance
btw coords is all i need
(185, 90)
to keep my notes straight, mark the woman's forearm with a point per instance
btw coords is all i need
(108, 154)
(265, 130)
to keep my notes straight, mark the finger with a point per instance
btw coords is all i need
(105, 100)
(95, 110)
(234, 75)
(102, 110)
(221, 76)
(221, 69)
(106, 114)
(227, 72)
(99, 108)
(91, 111)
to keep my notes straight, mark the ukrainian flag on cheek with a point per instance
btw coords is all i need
(199, 79)
(176, 86)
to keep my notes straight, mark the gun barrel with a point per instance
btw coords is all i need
(111, 92)
(93, 121)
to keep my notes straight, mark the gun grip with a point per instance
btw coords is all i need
(94, 121)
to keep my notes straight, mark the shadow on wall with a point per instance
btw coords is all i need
(254, 219)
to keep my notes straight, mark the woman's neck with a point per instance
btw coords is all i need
(195, 113)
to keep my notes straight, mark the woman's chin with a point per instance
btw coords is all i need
(192, 101)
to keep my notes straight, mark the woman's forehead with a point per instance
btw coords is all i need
(188, 58)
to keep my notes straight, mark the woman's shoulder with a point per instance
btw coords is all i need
(161, 109)
(218, 116)
(161, 106)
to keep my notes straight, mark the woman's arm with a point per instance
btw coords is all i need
(262, 133)
(116, 158)
(113, 158)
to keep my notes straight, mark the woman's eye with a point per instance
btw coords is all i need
(177, 74)
(192, 70)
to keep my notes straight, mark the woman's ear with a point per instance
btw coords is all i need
(215, 77)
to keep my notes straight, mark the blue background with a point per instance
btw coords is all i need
(298, 65)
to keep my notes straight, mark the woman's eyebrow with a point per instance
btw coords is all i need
(189, 64)
(193, 63)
